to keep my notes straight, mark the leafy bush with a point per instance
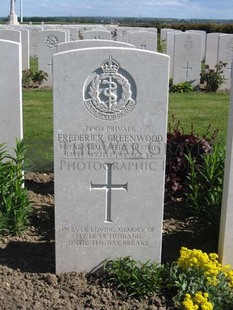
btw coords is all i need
(135, 279)
(198, 281)
(179, 146)
(14, 202)
(205, 184)
(32, 79)
(213, 78)
(183, 87)
(161, 45)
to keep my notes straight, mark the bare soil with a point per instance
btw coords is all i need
(27, 262)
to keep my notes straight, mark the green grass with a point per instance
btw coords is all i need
(197, 109)
(38, 128)
(200, 110)
(34, 64)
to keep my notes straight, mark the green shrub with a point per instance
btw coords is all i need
(179, 145)
(32, 79)
(161, 45)
(14, 202)
(213, 78)
(135, 279)
(183, 87)
(205, 183)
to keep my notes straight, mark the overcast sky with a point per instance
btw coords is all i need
(208, 9)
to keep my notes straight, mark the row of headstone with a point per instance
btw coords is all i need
(184, 48)
(187, 50)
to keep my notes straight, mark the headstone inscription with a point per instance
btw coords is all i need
(187, 58)
(11, 127)
(109, 143)
(226, 224)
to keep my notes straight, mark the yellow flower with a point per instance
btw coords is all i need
(208, 263)
(198, 301)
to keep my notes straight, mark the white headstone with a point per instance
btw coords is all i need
(203, 44)
(73, 33)
(163, 34)
(226, 224)
(67, 46)
(225, 54)
(25, 49)
(10, 35)
(48, 40)
(146, 40)
(170, 48)
(97, 34)
(211, 57)
(11, 126)
(109, 145)
(34, 41)
(187, 58)
(122, 33)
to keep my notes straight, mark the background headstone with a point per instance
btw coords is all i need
(226, 225)
(11, 126)
(10, 35)
(170, 47)
(225, 54)
(146, 40)
(67, 46)
(109, 145)
(203, 44)
(34, 40)
(97, 35)
(187, 58)
(212, 42)
(48, 40)
(25, 48)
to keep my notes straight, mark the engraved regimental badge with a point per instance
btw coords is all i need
(188, 43)
(51, 41)
(110, 93)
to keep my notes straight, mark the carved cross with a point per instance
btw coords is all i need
(187, 68)
(108, 187)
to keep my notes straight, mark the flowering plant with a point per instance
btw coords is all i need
(200, 281)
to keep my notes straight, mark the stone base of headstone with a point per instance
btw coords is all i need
(13, 19)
